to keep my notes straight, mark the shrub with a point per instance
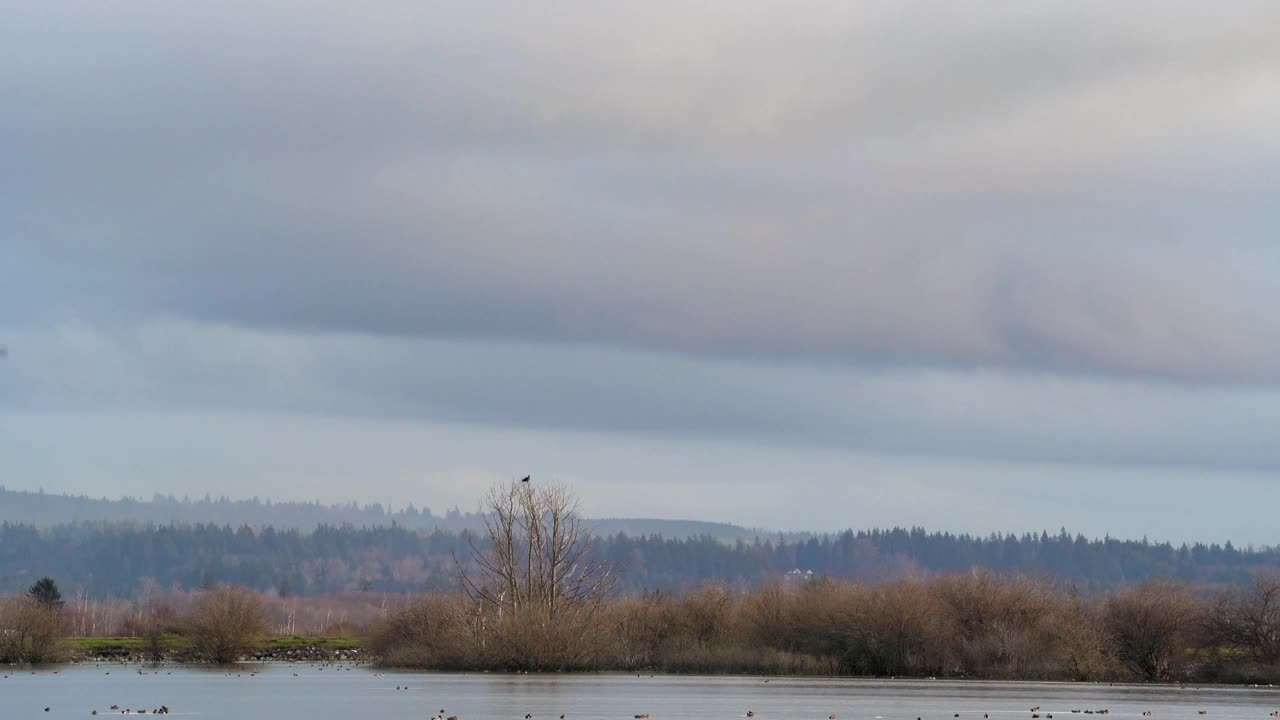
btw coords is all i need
(225, 623)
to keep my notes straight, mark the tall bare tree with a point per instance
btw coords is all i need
(534, 586)
(538, 558)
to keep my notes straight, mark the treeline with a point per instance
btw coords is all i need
(978, 625)
(115, 559)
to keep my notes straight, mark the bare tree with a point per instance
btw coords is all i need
(535, 586)
(538, 557)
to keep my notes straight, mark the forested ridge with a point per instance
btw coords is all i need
(109, 559)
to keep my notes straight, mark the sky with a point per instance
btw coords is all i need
(795, 265)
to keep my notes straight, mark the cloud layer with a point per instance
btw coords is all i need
(1041, 234)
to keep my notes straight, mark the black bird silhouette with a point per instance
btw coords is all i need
(526, 478)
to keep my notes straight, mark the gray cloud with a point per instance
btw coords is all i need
(1059, 188)
(1027, 252)
(986, 416)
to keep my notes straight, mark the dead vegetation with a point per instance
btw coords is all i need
(979, 625)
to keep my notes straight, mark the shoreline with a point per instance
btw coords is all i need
(358, 657)
(368, 664)
(177, 650)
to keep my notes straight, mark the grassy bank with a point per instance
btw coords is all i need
(109, 646)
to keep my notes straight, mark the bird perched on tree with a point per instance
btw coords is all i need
(526, 478)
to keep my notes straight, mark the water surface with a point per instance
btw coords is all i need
(345, 691)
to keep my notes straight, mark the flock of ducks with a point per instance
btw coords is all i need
(162, 710)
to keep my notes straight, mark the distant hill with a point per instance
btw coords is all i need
(46, 509)
(636, 527)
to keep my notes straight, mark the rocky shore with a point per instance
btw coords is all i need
(298, 654)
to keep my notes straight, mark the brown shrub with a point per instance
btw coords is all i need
(1153, 629)
(428, 633)
(224, 624)
(999, 626)
(1247, 622)
(29, 630)
(637, 631)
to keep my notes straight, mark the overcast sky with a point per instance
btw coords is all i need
(1005, 266)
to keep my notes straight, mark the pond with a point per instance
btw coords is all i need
(328, 692)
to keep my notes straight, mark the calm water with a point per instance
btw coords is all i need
(301, 691)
